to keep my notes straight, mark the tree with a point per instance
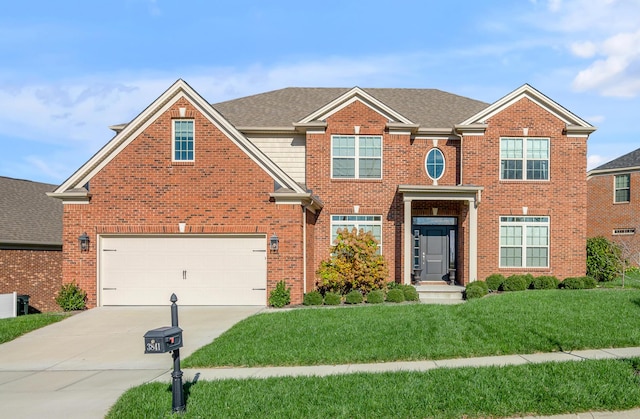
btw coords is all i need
(604, 259)
(354, 264)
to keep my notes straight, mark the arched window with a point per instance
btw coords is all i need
(434, 163)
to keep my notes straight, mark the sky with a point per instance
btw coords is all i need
(70, 69)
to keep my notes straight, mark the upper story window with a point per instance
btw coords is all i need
(524, 242)
(622, 188)
(183, 143)
(524, 158)
(434, 163)
(356, 157)
(370, 223)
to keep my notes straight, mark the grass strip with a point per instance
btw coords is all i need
(509, 323)
(532, 389)
(14, 327)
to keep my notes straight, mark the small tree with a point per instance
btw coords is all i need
(603, 259)
(354, 264)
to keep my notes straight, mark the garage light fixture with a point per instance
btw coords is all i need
(274, 243)
(83, 240)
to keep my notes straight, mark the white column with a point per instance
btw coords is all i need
(473, 241)
(407, 241)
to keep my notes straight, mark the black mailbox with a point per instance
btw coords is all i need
(162, 339)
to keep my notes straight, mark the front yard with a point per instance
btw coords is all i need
(519, 322)
(14, 327)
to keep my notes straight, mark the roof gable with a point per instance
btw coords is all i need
(353, 95)
(526, 91)
(180, 89)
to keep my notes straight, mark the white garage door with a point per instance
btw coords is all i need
(200, 270)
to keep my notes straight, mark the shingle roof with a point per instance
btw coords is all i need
(280, 108)
(27, 214)
(631, 159)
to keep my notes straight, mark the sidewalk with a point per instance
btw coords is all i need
(324, 370)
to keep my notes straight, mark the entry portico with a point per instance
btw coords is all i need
(469, 195)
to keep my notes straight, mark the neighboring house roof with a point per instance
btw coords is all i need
(630, 161)
(281, 108)
(28, 217)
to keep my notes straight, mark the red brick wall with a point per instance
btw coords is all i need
(563, 197)
(604, 215)
(142, 191)
(37, 273)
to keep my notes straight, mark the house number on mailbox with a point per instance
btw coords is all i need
(153, 346)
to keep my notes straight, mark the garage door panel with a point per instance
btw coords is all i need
(200, 270)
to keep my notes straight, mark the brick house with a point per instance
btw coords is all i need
(188, 196)
(30, 242)
(613, 210)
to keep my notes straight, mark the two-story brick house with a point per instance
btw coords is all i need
(218, 203)
(613, 210)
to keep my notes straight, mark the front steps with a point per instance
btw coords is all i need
(439, 293)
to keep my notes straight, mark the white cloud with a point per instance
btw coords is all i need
(595, 160)
(586, 49)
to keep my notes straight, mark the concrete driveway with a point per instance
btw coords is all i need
(78, 368)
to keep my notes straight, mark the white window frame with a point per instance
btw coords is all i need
(356, 157)
(616, 189)
(624, 231)
(426, 163)
(357, 221)
(174, 139)
(524, 159)
(524, 222)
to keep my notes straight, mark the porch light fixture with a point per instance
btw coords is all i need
(83, 240)
(274, 243)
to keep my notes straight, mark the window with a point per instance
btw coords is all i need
(524, 242)
(371, 223)
(524, 158)
(356, 157)
(434, 163)
(183, 140)
(624, 231)
(622, 188)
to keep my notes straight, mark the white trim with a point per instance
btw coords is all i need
(615, 189)
(173, 139)
(524, 159)
(444, 163)
(523, 246)
(356, 157)
(180, 89)
(358, 225)
(526, 91)
(349, 97)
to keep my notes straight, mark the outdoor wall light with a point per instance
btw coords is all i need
(274, 243)
(83, 240)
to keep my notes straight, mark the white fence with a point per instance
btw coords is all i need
(8, 305)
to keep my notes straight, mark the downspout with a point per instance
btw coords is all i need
(304, 248)
(461, 165)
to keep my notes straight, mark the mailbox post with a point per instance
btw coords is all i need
(169, 339)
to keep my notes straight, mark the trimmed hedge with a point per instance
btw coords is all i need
(395, 295)
(313, 298)
(515, 283)
(375, 297)
(476, 289)
(332, 299)
(353, 297)
(410, 293)
(544, 282)
(494, 281)
(578, 283)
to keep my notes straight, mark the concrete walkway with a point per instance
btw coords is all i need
(79, 367)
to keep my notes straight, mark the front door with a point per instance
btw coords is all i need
(434, 249)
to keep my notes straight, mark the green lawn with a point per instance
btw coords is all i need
(508, 323)
(14, 327)
(631, 280)
(537, 389)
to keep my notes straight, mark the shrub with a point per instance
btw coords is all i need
(395, 295)
(573, 283)
(528, 279)
(476, 289)
(494, 281)
(515, 283)
(353, 297)
(410, 293)
(604, 259)
(589, 282)
(280, 296)
(544, 282)
(71, 297)
(375, 297)
(393, 285)
(313, 298)
(578, 283)
(354, 264)
(332, 299)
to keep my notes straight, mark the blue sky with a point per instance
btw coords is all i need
(72, 68)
